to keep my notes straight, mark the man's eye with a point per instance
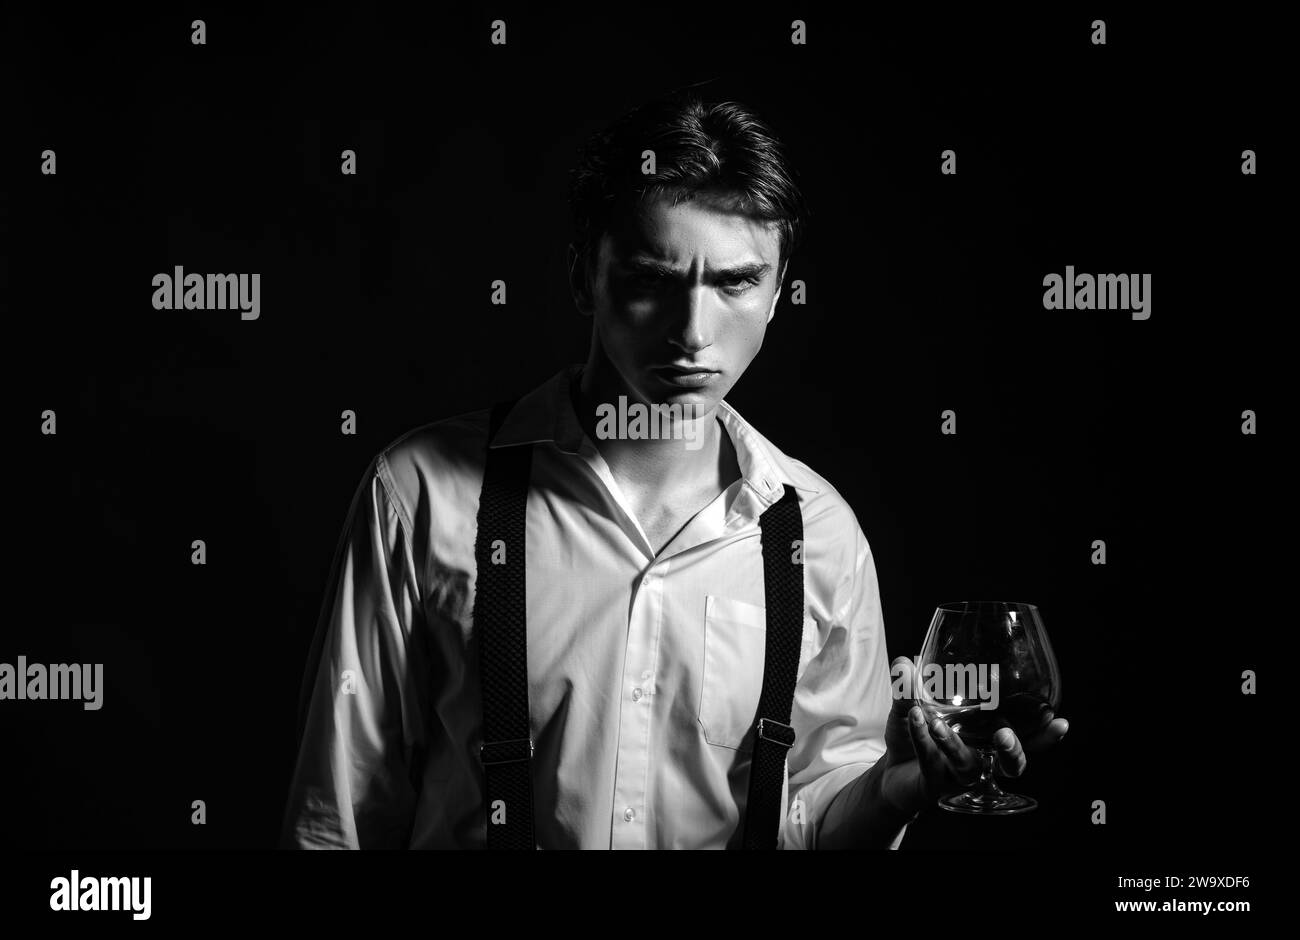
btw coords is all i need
(739, 286)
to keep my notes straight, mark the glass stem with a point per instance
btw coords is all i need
(987, 788)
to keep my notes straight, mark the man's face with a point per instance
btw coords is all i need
(681, 297)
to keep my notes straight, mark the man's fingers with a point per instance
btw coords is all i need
(965, 761)
(941, 752)
(1011, 755)
(928, 754)
(1051, 731)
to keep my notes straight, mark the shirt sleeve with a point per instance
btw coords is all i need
(363, 731)
(840, 708)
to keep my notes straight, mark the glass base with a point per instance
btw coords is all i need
(978, 803)
(986, 798)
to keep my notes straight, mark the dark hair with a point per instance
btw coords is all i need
(720, 152)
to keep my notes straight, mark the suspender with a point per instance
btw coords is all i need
(782, 526)
(499, 607)
(501, 632)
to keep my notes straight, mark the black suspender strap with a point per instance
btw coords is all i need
(781, 525)
(500, 598)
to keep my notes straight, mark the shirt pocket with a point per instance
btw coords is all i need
(735, 640)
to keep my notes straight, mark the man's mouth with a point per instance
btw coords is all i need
(685, 376)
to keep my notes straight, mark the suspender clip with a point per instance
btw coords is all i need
(506, 752)
(776, 732)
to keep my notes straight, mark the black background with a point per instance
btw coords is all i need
(924, 293)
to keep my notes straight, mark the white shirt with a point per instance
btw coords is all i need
(643, 672)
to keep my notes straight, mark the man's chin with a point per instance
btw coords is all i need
(700, 401)
(663, 388)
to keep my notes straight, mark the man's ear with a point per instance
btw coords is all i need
(579, 283)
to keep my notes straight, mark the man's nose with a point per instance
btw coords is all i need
(693, 327)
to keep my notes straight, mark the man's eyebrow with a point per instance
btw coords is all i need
(754, 269)
(751, 269)
(647, 266)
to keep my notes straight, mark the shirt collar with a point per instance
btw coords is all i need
(546, 415)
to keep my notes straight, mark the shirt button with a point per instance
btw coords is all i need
(629, 814)
(636, 695)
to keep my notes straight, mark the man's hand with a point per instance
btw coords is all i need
(925, 759)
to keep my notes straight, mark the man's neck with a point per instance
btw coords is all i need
(662, 465)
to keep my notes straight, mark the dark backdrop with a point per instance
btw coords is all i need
(924, 293)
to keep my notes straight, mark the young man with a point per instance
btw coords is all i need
(645, 586)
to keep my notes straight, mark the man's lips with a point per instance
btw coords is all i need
(684, 370)
(685, 376)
